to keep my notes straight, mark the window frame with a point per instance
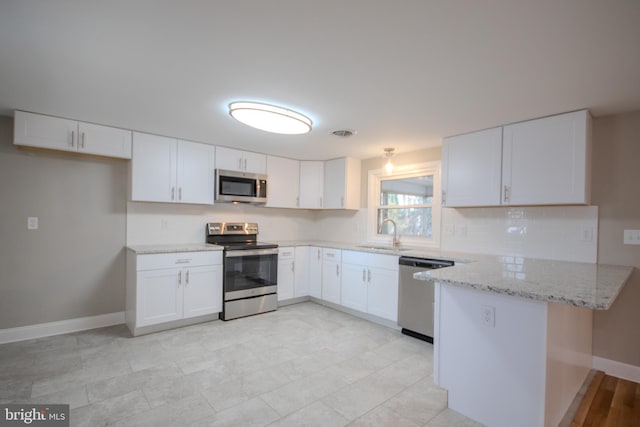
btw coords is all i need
(375, 177)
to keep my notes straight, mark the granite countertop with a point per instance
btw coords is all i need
(174, 248)
(594, 286)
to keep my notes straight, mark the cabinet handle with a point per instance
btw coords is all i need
(245, 164)
(318, 253)
(180, 193)
(183, 261)
(298, 202)
(506, 193)
(320, 201)
(293, 266)
(82, 140)
(187, 282)
(444, 197)
(179, 278)
(342, 202)
(368, 275)
(337, 270)
(239, 164)
(73, 138)
(173, 193)
(363, 274)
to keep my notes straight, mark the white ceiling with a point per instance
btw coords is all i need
(403, 74)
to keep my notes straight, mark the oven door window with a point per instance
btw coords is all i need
(249, 272)
(232, 186)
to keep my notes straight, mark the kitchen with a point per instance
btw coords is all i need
(76, 261)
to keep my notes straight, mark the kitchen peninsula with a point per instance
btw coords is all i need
(513, 338)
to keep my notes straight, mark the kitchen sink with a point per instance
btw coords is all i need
(382, 248)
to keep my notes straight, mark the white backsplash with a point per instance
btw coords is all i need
(566, 233)
(164, 223)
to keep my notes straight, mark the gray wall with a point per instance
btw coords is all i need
(74, 265)
(616, 190)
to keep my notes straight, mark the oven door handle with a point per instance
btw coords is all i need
(250, 252)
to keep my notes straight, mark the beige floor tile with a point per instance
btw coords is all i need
(315, 415)
(451, 418)
(380, 417)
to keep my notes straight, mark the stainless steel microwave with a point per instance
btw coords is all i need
(240, 187)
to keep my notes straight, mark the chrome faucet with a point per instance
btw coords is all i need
(396, 242)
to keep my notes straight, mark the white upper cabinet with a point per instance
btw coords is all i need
(196, 173)
(167, 170)
(547, 161)
(471, 168)
(153, 168)
(538, 162)
(284, 177)
(37, 130)
(342, 184)
(241, 161)
(311, 184)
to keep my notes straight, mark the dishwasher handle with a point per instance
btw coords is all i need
(426, 263)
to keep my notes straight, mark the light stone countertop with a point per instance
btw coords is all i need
(594, 286)
(175, 248)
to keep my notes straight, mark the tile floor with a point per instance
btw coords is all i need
(304, 364)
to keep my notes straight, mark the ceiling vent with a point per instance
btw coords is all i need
(344, 133)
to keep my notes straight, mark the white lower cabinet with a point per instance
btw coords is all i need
(370, 283)
(301, 271)
(286, 273)
(331, 266)
(315, 271)
(172, 286)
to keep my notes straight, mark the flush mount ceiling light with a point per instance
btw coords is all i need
(389, 153)
(270, 118)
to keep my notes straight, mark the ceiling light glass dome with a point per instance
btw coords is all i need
(270, 118)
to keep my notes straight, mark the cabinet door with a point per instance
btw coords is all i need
(254, 162)
(382, 295)
(286, 277)
(202, 290)
(195, 173)
(284, 177)
(301, 269)
(546, 160)
(104, 141)
(153, 168)
(331, 282)
(471, 168)
(354, 287)
(36, 130)
(315, 272)
(334, 183)
(159, 296)
(229, 159)
(311, 184)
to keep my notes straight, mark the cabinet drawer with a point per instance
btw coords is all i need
(286, 252)
(180, 259)
(329, 254)
(389, 262)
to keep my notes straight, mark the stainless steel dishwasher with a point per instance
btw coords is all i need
(416, 297)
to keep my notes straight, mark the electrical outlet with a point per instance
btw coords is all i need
(586, 233)
(488, 314)
(632, 237)
(32, 223)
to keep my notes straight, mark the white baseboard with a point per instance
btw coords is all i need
(617, 369)
(61, 327)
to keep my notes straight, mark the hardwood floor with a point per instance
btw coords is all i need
(609, 401)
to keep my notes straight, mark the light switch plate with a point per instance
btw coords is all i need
(632, 237)
(32, 223)
(488, 314)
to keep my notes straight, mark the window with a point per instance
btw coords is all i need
(410, 199)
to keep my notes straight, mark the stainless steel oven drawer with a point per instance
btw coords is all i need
(249, 306)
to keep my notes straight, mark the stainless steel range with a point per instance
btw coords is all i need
(250, 269)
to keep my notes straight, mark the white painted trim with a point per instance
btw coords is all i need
(40, 330)
(617, 369)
